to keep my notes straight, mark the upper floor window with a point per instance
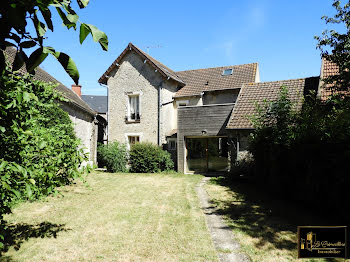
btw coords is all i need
(134, 108)
(227, 72)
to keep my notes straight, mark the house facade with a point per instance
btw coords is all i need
(191, 113)
(82, 116)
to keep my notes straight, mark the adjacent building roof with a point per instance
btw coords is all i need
(97, 103)
(163, 70)
(210, 79)
(42, 75)
(255, 93)
(328, 69)
(194, 82)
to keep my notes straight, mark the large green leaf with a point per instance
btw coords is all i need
(35, 59)
(20, 59)
(84, 32)
(40, 27)
(46, 13)
(64, 18)
(68, 65)
(83, 3)
(99, 36)
(27, 44)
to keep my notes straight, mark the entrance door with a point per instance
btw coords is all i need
(207, 154)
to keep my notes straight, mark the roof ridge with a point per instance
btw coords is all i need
(275, 81)
(216, 67)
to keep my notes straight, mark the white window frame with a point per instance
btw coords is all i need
(223, 72)
(126, 135)
(169, 140)
(130, 95)
(180, 103)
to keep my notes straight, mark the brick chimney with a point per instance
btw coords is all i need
(77, 89)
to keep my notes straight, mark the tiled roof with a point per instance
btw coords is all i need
(163, 70)
(253, 93)
(97, 103)
(209, 79)
(42, 75)
(328, 69)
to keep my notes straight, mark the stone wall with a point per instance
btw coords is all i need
(84, 127)
(133, 76)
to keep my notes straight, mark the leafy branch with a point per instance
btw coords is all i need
(14, 18)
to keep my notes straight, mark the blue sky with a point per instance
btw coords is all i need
(278, 34)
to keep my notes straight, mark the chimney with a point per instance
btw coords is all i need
(77, 89)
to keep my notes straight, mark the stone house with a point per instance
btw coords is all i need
(82, 116)
(100, 105)
(195, 114)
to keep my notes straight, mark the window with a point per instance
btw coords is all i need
(134, 108)
(171, 143)
(182, 103)
(133, 140)
(227, 72)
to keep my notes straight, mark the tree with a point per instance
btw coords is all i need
(15, 15)
(335, 46)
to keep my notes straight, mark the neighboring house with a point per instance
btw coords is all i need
(186, 112)
(240, 126)
(100, 105)
(328, 69)
(82, 116)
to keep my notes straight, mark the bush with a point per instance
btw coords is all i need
(243, 168)
(39, 150)
(149, 158)
(303, 154)
(112, 156)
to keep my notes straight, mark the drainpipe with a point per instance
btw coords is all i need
(159, 110)
(106, 86)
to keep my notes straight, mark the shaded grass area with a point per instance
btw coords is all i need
(265, 225)
(118, 217)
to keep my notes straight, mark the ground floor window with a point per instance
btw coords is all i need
(133, 140)
(207, 154)
(171, 143)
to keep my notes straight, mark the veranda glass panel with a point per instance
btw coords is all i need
(217, 154)
(196, 154)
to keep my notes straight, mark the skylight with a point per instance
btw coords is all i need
(227, 72)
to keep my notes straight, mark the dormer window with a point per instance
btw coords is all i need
(227, 72)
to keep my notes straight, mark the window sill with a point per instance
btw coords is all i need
(132, 121)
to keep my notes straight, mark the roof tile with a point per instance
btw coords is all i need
(256, 93)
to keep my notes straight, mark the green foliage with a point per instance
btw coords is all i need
(39, 150)
(14, 18)
(149, 158)
(335, 46)
(305, 154)
(113, 156)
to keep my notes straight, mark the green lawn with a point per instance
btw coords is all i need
(119, 217)
(265, 226)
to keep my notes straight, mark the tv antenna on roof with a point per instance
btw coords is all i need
(152, 46)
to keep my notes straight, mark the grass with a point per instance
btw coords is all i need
(119, 217)
(265, 226)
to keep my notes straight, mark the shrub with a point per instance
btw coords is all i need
(243, 168)
(39, 150)
(149, 158)
(303, 154)
(112, 156)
